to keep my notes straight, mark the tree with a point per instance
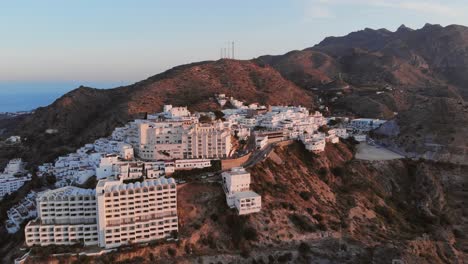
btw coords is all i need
(50, 179)
(204, 119)
(304, 248)
(323, 129)
(338, 171)
(172, 252)
(250, 233)
(219, 115)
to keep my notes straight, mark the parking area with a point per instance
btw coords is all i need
(371, 152)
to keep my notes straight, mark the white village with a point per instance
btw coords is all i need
(135, 200)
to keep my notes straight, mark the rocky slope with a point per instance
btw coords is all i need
(419, 74)
(328, 207)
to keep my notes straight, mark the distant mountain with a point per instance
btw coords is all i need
(420, 74)
(413, 210)
(420, 77)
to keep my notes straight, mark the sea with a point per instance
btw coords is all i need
(16, 96)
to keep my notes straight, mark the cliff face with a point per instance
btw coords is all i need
(413, 205)
(340, 209)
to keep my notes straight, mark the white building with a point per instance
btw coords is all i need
(365, 124)
(242, 132)
(113, 166)
(340, 132)
(136, 212)
(315, 142)
(222, 100)
(332, 137)
(236, 185)
(360, 137)
(20, 212)
(261, 142)
(112, 215)
(248, 121)
(13, 177)
(14, 139)
(175, 112)
(247, 202)
(163, 140)
(66, 216)
(126, 151)
(188, 164)
(236, 103)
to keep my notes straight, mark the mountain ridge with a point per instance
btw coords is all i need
(408, 68)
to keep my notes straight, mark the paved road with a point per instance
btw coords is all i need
(258, 155)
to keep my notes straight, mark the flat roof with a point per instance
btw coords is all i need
(246, 194)
(66, 192)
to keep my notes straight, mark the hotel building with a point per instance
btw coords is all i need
(112, 215)
(66, 216)
(136, 212)
(164, 140)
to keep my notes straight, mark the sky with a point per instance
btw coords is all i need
(109, 42)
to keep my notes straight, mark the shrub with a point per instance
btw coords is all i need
(322, 171)
(338, 171)
(152, 258)
(459, 234)
(305, 195)
(285, 257)
(245, 253)
(385, 212)
(188, 248)
(322, 226)
(218, 115)
(50, 179)
(204, 119)
(304, 248)
(288, 206)
(236, 226)
(323, 129)
(318, 217)
(250, 233)
(172, 252)
(302, 222)
(214, 217)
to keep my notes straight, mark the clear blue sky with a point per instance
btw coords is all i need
(125, 41)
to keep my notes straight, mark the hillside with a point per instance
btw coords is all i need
(416, 76)
(86, 114)
(326, 207)
(419, 77)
